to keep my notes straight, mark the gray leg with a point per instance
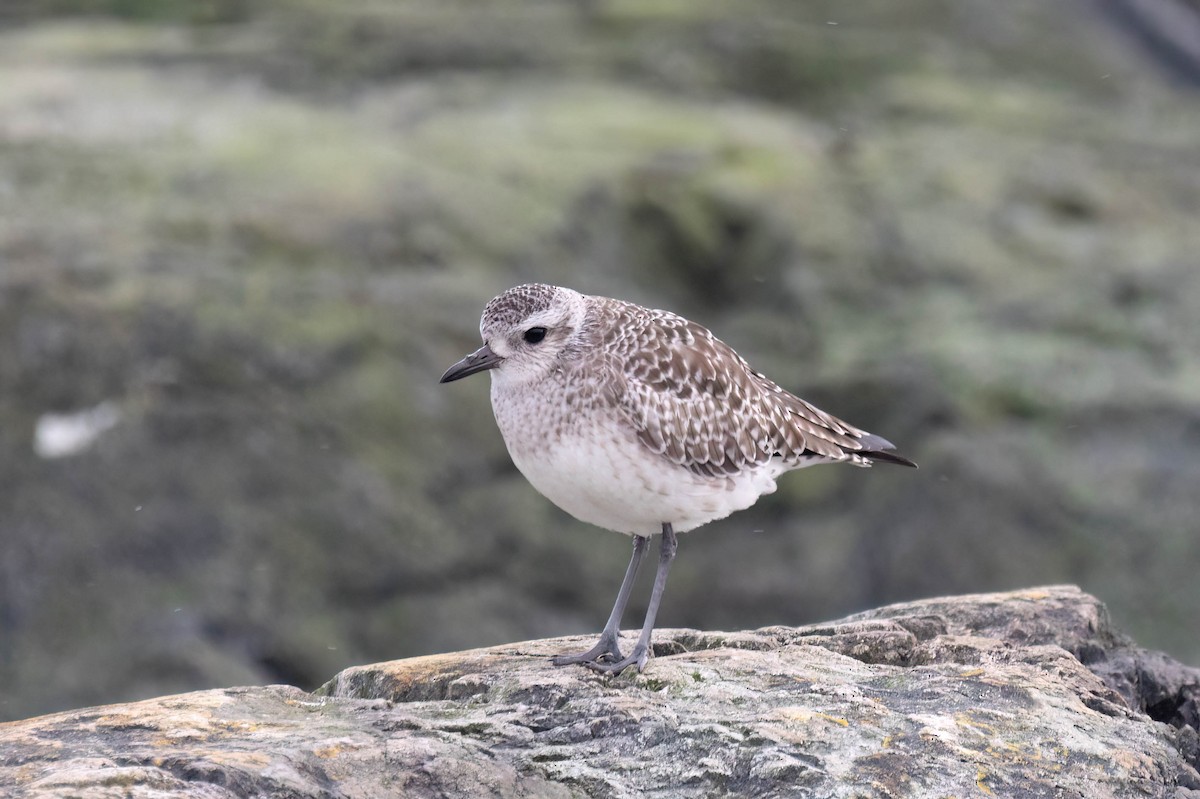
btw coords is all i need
(641, 650)
(607, 645)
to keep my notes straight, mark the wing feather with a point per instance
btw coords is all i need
(698, 403)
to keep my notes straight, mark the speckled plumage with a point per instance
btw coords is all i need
(637, 420)
(628, 417)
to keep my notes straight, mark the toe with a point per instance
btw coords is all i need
(638, 657)
(603, 652)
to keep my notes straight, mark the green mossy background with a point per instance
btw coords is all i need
(263, 228)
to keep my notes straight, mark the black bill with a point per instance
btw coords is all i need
(480, 360)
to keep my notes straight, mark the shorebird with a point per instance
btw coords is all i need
(639, 421)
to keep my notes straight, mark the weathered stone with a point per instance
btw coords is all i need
(1028, 693)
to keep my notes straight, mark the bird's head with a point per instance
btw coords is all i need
(526, 332)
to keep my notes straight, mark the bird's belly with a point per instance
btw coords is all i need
(601, 474)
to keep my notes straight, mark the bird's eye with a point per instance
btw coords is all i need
(535, 334)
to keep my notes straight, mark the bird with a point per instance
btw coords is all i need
(639, 421)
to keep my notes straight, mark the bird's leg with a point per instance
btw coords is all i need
(641, 650)
(607, 645)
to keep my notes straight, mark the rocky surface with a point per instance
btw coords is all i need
(1030, 694)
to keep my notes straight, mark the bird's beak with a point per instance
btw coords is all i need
(480, 360)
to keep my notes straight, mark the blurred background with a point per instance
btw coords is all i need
(240, 240)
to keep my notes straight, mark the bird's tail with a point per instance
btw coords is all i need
(887, 457)
(878, 448)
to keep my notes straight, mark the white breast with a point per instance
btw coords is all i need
(589, 462)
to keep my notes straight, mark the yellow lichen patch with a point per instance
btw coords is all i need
(834, 719)
(964, 720)
(400, 678)
(1011, 753)
(329, 750)
(1134, 763)
(174, 724)
(803, 715)
(254, 760)
(980, 776)
(972, 673)
(424, 665)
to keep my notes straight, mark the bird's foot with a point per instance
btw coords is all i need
(605, 650)
(638, 657)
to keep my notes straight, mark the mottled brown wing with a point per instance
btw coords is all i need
(699, 404)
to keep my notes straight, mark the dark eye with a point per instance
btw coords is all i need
(535, 334)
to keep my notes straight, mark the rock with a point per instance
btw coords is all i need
(1030, 693)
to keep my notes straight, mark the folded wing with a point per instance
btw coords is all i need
(699, 404)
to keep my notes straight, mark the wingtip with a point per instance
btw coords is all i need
(878, 448)
(888, 457)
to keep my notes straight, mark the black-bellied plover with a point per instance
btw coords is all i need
(639, 421)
